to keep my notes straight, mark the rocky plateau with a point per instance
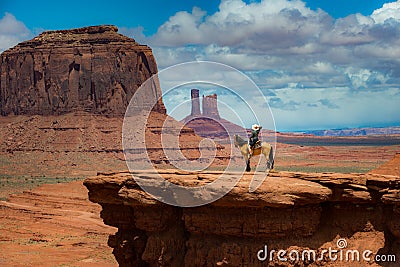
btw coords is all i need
(288, 211)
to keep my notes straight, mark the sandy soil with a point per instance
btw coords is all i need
(391, 167)
(53, 225)
(333, 158)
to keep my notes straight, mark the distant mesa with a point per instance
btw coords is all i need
(366, 131)
(209, 123)
(93, 69)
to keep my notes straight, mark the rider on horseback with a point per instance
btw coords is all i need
(255, 130)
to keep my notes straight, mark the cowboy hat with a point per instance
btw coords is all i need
(255, 127)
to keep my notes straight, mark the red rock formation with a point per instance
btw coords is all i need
(208, 123)
(93, 69)
(218, 130)
(210, 106)
(289, 211)
(195, 103)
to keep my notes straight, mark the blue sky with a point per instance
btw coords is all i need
(148, 14)
(320, 64)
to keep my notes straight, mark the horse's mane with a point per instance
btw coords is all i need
(239, 140)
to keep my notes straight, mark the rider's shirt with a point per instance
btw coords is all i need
(254, 136)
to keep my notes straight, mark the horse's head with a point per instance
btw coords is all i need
(236, 142)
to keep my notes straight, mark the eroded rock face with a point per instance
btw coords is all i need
(93, 69)
(289, 211)
(195, 102)
(210, 106)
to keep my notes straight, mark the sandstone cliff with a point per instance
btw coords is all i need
(289, 211)
(93, 69)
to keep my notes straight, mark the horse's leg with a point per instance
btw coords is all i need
(270, 159)
(248, 165)
(246, 156)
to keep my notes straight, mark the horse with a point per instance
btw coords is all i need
(265, 149)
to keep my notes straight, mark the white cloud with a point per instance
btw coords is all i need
(12, 31)
(135, 33)
(182, 28)
(307, 47)
(257, 26)
(388, 11)
(351, 30)
(321, 67)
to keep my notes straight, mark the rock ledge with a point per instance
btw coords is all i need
(308, 210)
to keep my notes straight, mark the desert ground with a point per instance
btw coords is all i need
(46, 218)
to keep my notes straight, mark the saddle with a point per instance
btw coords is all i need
(256, 145)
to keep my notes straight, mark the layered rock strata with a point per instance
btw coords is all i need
(289, 211)
(87, 136)
(93, 69)
(210, 106)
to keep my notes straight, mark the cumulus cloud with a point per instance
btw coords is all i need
(253, 27)
(182, 28)
(135, 33)
(348, 31)
(387, 12)
(12, 31)
(296, 43)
